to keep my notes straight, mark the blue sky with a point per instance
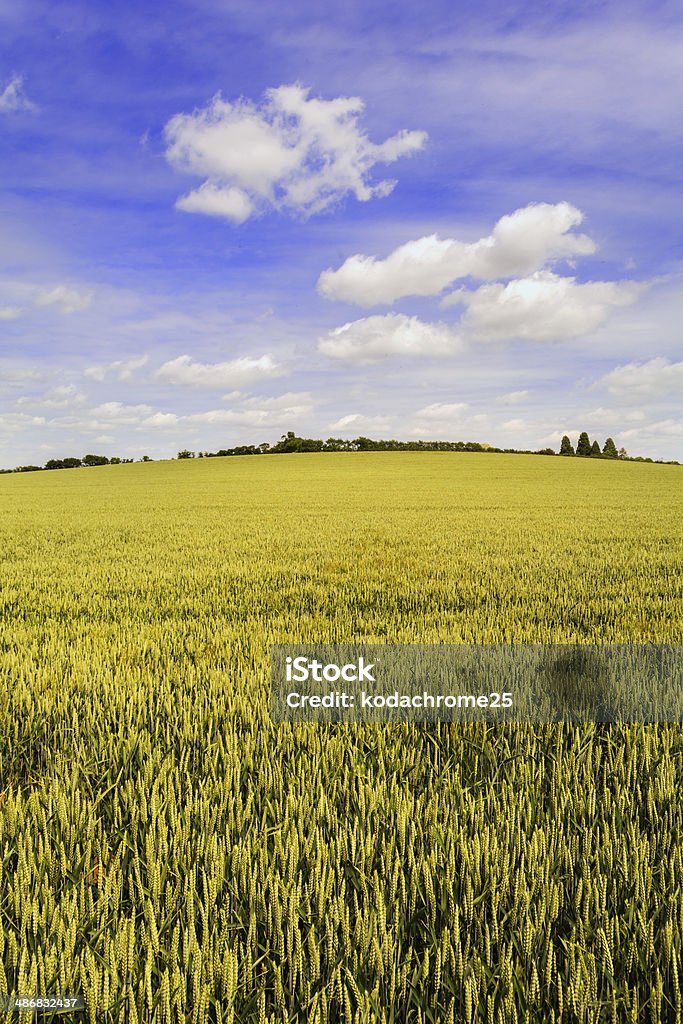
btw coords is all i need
(237, 219)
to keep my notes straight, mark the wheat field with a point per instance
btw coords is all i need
(174, 856)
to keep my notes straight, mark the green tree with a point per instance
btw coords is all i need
(290, 442)
(185, 454)
(610, 449)
(95, 460)
(584, 445)
(566, 447)
(595, 450)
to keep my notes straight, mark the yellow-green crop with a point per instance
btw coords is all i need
(174, 856)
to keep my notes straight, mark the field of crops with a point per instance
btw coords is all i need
(176, 857)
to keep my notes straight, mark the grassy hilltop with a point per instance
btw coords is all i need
(175, 856)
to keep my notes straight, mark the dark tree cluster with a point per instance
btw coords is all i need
(586, 449)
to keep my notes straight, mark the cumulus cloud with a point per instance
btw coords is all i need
(542, 307)
(13, 98)
(232, 374)
(122, 368)
(67, 299)
(231, 203)
(651, 379)
(290, 152)
(10, 312)
(378, 337)
(520, 243)
(161, 419)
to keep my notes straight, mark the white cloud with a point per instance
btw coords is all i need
(651, 379)
(18, 420)
(10, 312)
(265, 416)
(210, 416)
(357, 421)
(290, 152)
(63, 396)
(68, 300)
(667, 428)
(448, 421)
(13, 98)
(441, 411)
(235, 373)
(161, 419)
(261, 412)
(512, 398)
(231, 203)
(288, 400)
(256, 411)
(123, 368)
(543, 307)
(520, 243)
(118, 413)
(377, 337)
(612, 417)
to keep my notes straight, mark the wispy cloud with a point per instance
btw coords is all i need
(651, 379)
(512, 397)
(13, 98)
(355, 421)
(123, 369)
(234, 373)
(67, 300)
(62, 396)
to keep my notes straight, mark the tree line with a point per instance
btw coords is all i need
(292, 443)
(74, 463)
